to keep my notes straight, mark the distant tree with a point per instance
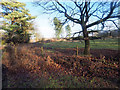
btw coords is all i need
(58, 27)
(68, 30)
(16, 21)
(81, 12)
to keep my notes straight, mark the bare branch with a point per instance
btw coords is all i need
(77, 33)
(81, 11)
(114, 24)
(66, 15)
(112, 7)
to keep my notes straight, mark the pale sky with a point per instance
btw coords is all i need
(43, 23)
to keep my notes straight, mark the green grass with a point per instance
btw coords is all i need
(64, 44)
(104, 44)
(96, 44)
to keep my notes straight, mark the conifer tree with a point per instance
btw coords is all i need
(16, 21)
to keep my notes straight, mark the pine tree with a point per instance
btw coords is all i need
(16, 21)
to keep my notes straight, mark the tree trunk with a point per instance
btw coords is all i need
(86, 40)
(87, 47)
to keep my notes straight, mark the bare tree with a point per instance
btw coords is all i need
(83, 12)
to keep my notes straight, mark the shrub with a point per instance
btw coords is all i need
(23, 38)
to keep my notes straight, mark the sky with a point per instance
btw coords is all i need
(43, 23)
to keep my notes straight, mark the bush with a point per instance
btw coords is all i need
(17, 39)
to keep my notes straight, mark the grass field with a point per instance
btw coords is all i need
(94, 44)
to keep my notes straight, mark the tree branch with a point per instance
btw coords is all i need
(66, 15)
(104, 19)
(114, 24)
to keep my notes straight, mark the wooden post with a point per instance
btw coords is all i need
(42, 51)
(77, 50)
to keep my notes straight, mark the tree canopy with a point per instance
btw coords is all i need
(17, 20)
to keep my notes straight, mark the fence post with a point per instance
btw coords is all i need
(77, 50)
(42, 51)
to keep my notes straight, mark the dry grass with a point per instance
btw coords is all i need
(51, 69)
